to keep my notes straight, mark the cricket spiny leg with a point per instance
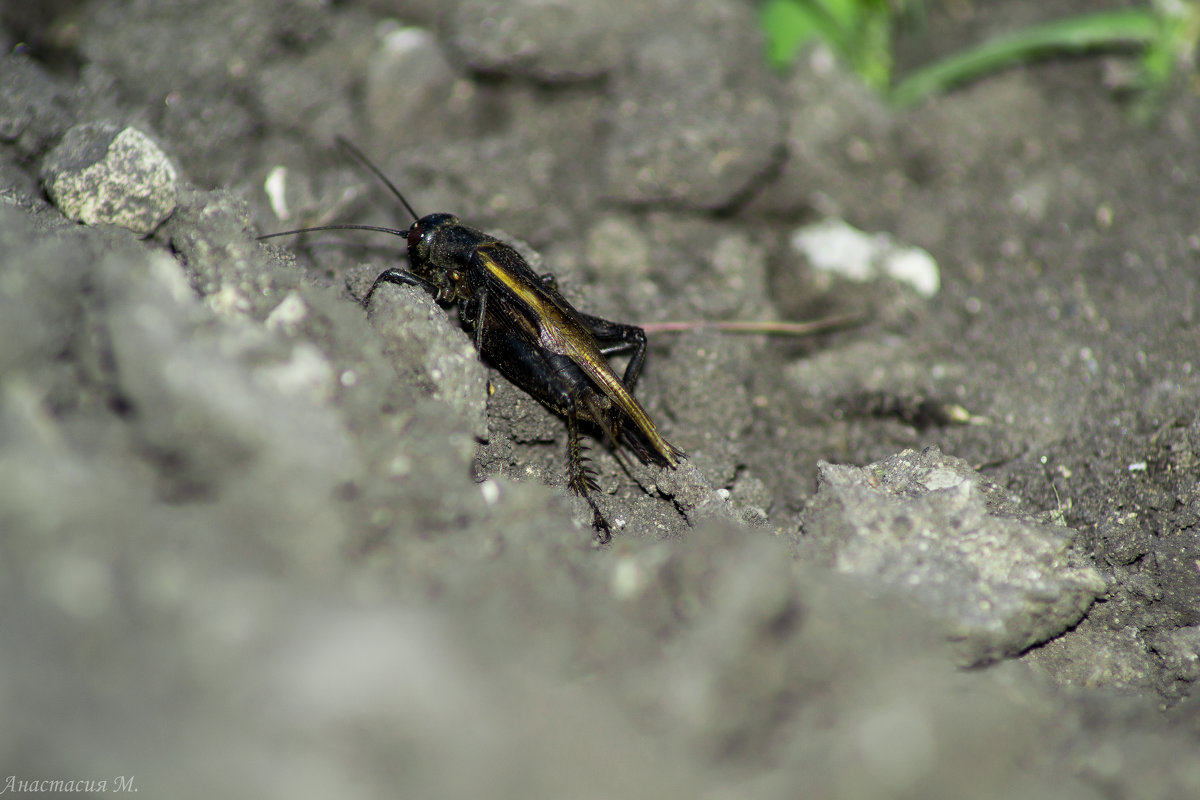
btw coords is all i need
(579, 477)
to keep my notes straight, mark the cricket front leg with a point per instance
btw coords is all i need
(400, 277)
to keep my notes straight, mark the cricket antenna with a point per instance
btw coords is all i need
(393, 231)
(366, 162)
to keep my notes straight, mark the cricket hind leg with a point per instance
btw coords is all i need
(581, 477)
(556, 382)
(616, 338)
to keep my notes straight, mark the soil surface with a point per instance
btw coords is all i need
(260, 542)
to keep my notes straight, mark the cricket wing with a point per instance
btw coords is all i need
(561, 331)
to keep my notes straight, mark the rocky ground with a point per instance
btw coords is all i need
(260, 543)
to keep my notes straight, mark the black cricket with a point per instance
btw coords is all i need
(527, 330)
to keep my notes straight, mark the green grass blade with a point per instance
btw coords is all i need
(1105, 30)
(789, 26)
(858, 31)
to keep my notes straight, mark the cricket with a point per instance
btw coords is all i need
(523, 326)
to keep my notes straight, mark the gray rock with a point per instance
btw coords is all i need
(33, 106)
(423, 341)
(410, 89)
(1123, 538)
(1179, 651)
(837, 139)
(550, 40)
(223, 407)
(104, 174)
(315, 94)
(688, 128)
(930, 525)
(1095, 655)
(1176, 556)
(211, 233)
(37, 318)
